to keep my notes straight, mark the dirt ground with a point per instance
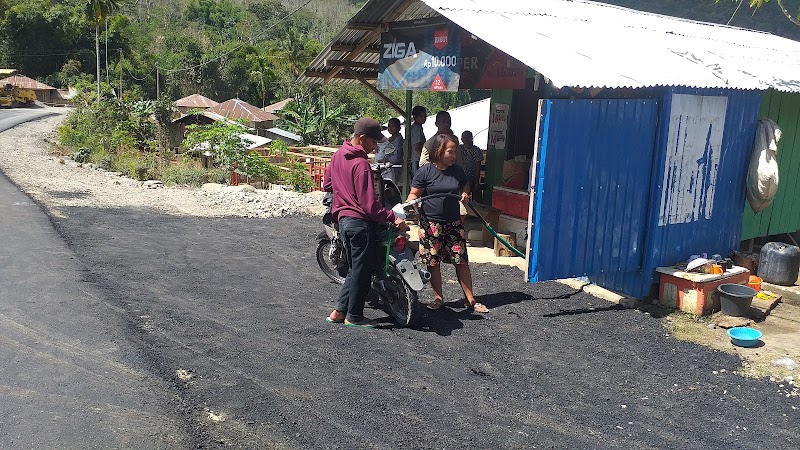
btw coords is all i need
(228, 313)
(781, 339)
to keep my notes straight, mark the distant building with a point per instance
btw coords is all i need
(277, 107)
(44, 93)
(283, 135)
(253, 117)
(194, 101)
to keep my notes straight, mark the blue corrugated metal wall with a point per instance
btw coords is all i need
(592, 189)
(719, 233)
(677, 223)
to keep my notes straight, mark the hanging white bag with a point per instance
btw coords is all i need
(762, 174)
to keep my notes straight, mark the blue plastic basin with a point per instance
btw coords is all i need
(744, 336)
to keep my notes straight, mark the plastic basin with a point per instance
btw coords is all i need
(744, 336)
(735, 299)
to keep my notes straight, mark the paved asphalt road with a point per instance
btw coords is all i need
(128, 328)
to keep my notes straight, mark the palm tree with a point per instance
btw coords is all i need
(98, 11)
(298, 49)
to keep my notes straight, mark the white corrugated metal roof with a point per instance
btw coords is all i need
(287, 134)
(588, 44)
(255, 140)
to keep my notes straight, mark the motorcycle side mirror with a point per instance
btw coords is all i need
(399, 211)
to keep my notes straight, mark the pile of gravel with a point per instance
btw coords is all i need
(59, 182)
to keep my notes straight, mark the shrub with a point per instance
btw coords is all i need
(137, 166)
(82, 155)
(298, 178)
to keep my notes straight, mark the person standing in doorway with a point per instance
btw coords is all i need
(443, 126)
(358, 211)
(442, 236)
(417, 137)
(473, 158)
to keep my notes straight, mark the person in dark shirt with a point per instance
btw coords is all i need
(358, 211)
(441, 235)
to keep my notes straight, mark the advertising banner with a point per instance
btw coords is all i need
(485, 67)
(420, 55)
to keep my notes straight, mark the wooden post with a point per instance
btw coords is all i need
(502, 250)
(407, 144)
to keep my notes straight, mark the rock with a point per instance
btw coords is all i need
(213, 187)
(153, 184)
(240, 188)
(786, 362)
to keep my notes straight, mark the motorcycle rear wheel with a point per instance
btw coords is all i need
(329, 268)
(402, 302)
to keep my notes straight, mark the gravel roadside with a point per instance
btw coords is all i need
(58, 182)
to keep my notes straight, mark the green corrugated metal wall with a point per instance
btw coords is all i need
(784, 214)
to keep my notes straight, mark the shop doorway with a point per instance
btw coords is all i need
(591, 187)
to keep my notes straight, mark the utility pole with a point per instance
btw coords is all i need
(106, 54)
(120, 73)
(158, 84)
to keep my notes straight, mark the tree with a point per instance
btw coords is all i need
(755, 4)
(225, 142)
(298, 50)
(98, 12)
(311, 117)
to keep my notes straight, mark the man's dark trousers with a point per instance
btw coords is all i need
(358, 236)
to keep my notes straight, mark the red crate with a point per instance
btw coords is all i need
(511, 201)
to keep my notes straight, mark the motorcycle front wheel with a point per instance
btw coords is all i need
(401, 302)
(328, 266)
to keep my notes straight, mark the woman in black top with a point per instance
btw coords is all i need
(442, 237)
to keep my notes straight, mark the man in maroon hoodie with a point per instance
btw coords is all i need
(358, 210)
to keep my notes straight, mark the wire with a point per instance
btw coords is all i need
(138, 79)
(240, 45)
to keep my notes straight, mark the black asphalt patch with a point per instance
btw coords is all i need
(238, 307)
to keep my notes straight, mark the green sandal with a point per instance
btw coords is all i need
(366, 323)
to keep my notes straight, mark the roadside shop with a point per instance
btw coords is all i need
(619, 140)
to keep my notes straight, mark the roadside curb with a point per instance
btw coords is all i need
(602, 293)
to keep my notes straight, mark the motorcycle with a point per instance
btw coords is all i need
(397, 278)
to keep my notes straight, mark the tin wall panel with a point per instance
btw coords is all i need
(592, 190)
(784, 214)
(719, 229)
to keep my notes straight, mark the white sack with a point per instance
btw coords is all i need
(762, 175)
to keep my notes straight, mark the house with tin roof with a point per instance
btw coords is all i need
(44, 93)
(252, 116)
(194, 101)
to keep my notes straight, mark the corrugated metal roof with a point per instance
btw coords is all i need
(24, 82)
(195, 101)
(374, 13)
(287, 134)
(277, 106)
(588, 44)
(240, 109)
(255, 140)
